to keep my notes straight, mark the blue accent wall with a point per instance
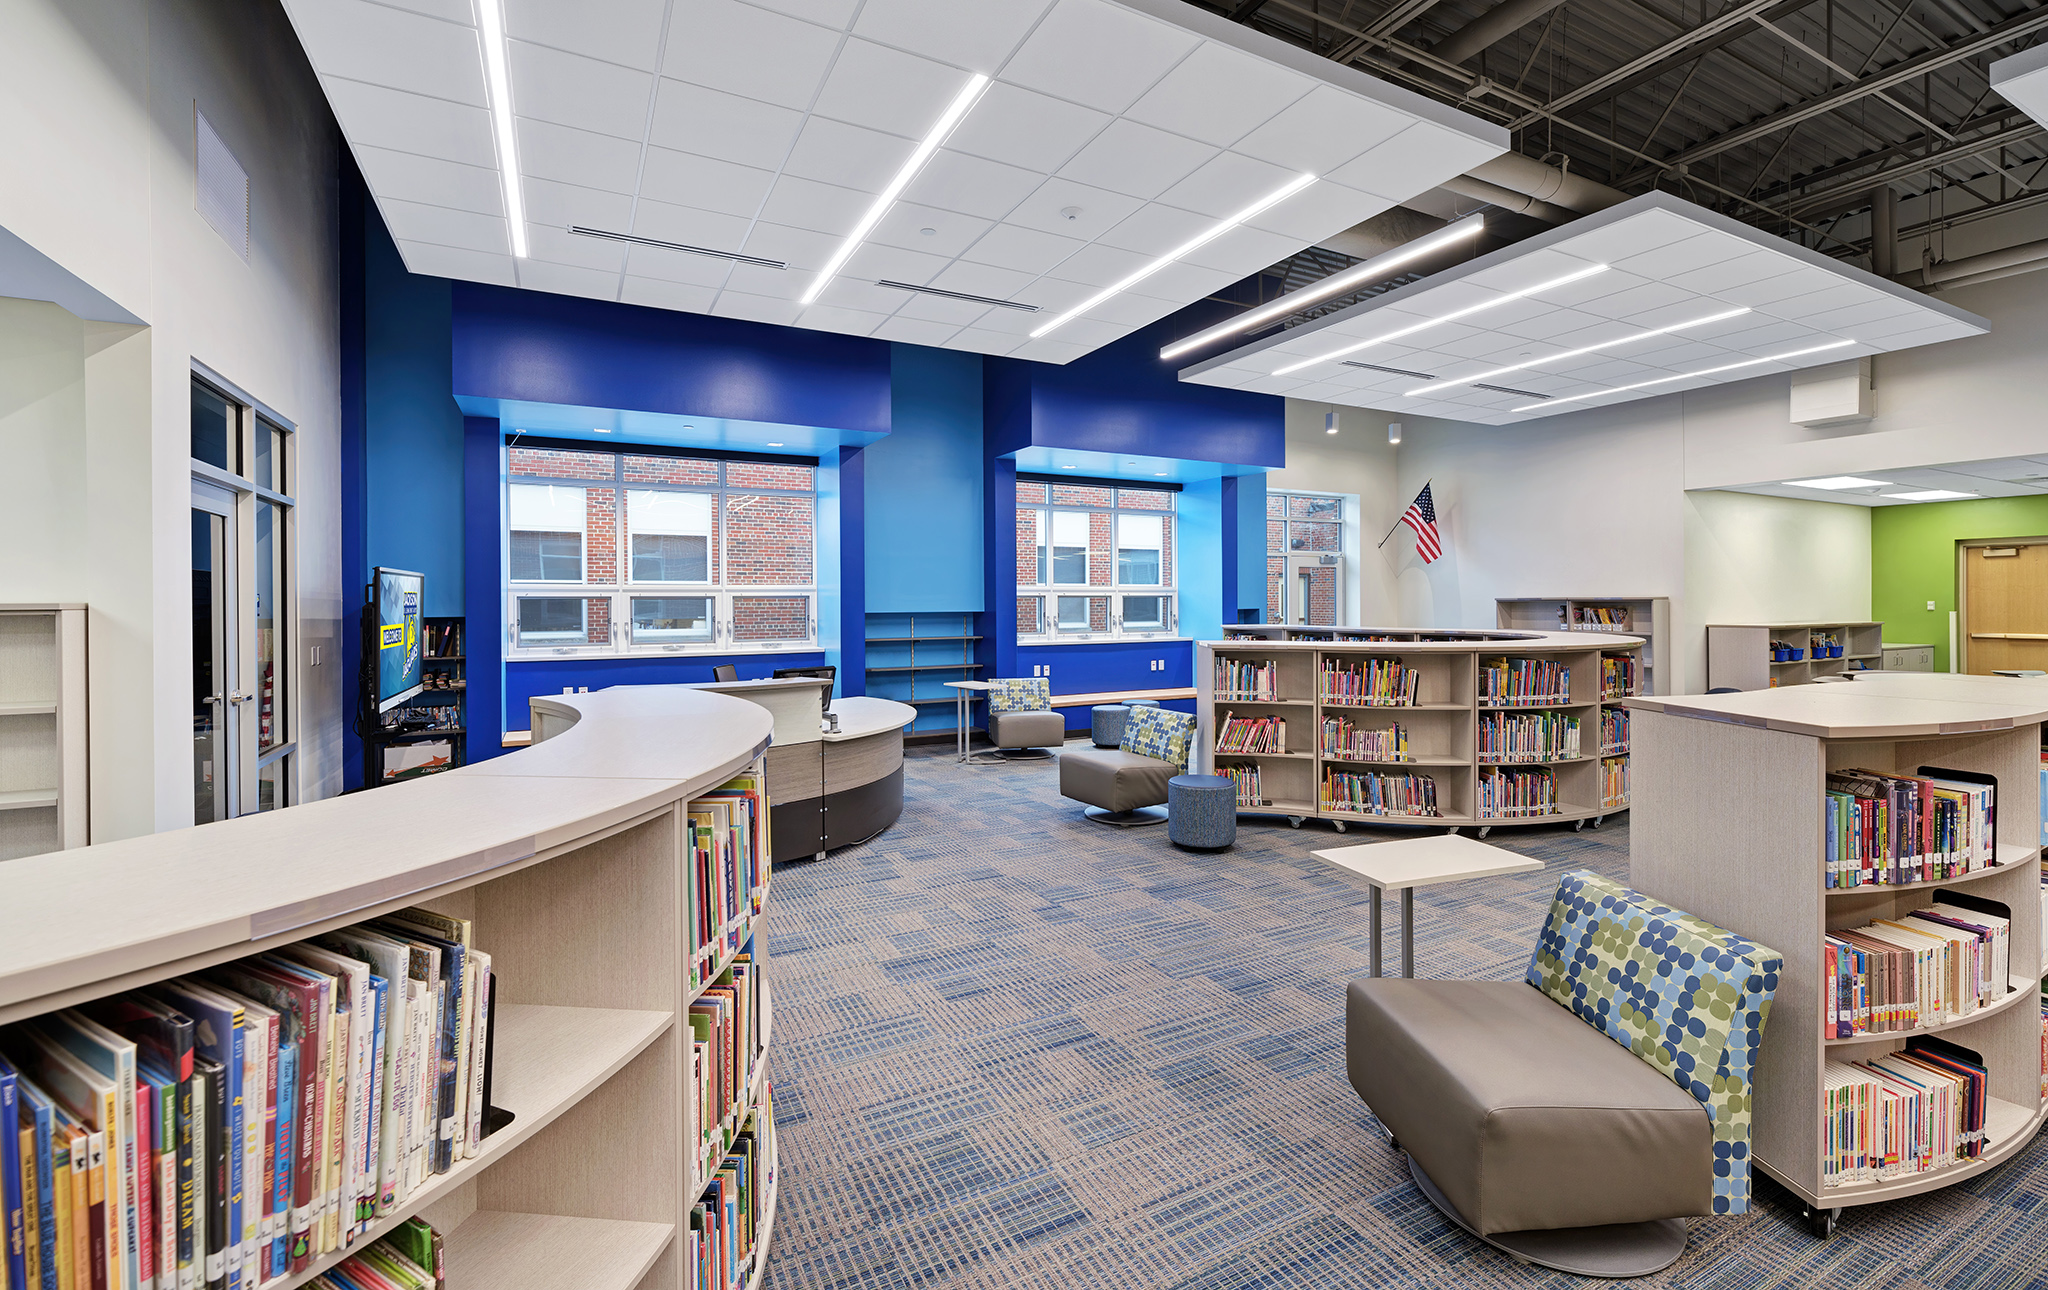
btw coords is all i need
(1109, 667)
(513, 344)
(1201, 558)
(997, 625)
(525, 679)
(843, 599)
(924, 491)
(1251, 549)
(483, 606)
(412, 428)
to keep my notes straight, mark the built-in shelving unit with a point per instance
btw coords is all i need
(910, 657)
(1731, 791)
(1441, 725)
(1648, 618)
(43, 804)
(1760, 656)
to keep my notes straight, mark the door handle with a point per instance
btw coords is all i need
(240, 698)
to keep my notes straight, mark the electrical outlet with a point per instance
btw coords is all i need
(1930, 606)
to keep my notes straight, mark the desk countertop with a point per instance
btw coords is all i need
(862, 715)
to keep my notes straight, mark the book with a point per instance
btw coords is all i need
(113, 1057)
(89, 1097)
(13, 1220)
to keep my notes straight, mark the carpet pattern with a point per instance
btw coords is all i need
(1013, 1048)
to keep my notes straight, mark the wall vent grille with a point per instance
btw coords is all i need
(222, 189)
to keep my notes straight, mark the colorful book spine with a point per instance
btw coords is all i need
(1345, 740)
(1372, 794)
(1517, 794)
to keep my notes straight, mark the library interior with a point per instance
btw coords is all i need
(732, 644)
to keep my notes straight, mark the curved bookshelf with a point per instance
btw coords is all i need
(2010, 856)
(2021, 989)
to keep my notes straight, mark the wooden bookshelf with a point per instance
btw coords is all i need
(43, 804)
(1732, 789)
(571, 859)
(1648, 618)
(1740, 655)
(1442, 726)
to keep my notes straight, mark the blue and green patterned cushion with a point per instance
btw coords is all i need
(1020, 694)
(1157, 732)
(1680, 993)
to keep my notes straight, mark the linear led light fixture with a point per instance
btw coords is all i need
(1928, 495)
(491, 16)
(1616, 343)
(1376, 269)
(1187, 248)
(969, 297)
(1835, 483)
(1687, 376)
(637, 240)
(1452, 316)
(962, 103)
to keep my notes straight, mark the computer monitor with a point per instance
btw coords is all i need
(725, 672)
(823, 673)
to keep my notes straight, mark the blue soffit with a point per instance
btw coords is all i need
(612, 425)
(1112, 465)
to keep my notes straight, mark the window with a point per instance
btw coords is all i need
(1304, 558)
(1079, 545)
(618, 552)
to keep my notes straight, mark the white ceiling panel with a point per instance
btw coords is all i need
(768, 127)
(1801, 301)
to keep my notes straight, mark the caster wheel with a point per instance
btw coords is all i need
(1339, 824)
(1485, 829)
(1598, 820)
(1822, 1222)
(1294, 821)
(1578, 826)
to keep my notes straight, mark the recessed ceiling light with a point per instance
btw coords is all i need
(774, 445)
(499, 79)
(1330, 421)
(1377, 268)
(1834, 483)
(1159, 473)
(1189, 247)
(1452, 316)
(599, 430)
(1616, 343)
(958, 108)
(1687, 376)
(1928, 495)
(1066, 467)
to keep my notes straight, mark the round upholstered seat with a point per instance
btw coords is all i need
(1201, 811)
(1106, 724)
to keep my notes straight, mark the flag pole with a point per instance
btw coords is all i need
(1397, 524)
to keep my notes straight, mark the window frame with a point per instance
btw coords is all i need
(624, 589)
(1049, 592)
(1287, 554)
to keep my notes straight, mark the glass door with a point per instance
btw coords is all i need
(1311, 590)
(215, 655)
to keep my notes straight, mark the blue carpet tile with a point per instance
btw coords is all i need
(1012, 1048)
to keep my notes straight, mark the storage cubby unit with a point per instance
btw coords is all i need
(1760, 656)
(910, 657)
(1345, 690)
(1647, 618)
(574, 859)
(43, 805)
(1733, 790)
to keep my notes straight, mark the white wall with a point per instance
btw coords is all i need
(1358, 463)
(97, 173)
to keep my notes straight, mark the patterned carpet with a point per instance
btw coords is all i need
(1013, 1048)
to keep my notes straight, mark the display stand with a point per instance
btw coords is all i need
(42, 729)
(1758, 656)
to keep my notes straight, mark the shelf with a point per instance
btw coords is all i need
(2022, 989)
(25, 799)
(1332, 813)
(2008, 1127)
(1271, 703)
(1397, 761)
(1397, 707)
(512, 1251)
(1278, 807)
(443, 658)
(1539, 761)
(1288, 756)
(1537, 707)
(407, 736)
(905, 640)
(26, 709)
(932, 667)
(2011, 856)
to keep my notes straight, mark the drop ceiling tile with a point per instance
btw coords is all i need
(906, 222)
(800, 248)
(1013, 322)
(690, 226)
(1220, 94)
(569, 89)
(1533, 320)
(625, 32)
(822, 208)
(390, 47)
(668, 295)
(760, 280)
(414, 222)
(558, 246)
(1324, 130)
(712, 123)
(1701, 251)
(982, 280)
(451, 10)
(748, 51)
(753, 308)
(875, 261)
(405, 176)
(1825, 300)
(1054, 350)
(1644, 231)
(826, 13)
(568, 280)
(848, 291)
(1752, 266)
(886, 89)
(955, 313)
(709, 272)
(1098, 54)
(684, 179)
(1243, 250)
(1127, 311)
(1020, 128)
(1153, 230)
(1412, 161)
(382, 118)
(562, 205)
(1642, 298)
(1183, 282)
(1225, 185)
(916, 331)
(1027, 250)
(977, 37)
(455, 262)
(1099, 265)
(986, 342)
(1316, 212)
(850, 322)
(850, 156)
(549, 151)
(1096, 210)
(1136, 160)
(959, 181)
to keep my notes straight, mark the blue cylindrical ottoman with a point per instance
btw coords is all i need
(1201, 811)
(1106, 724)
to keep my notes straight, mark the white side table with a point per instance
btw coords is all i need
(1419, 862)
(963, 711)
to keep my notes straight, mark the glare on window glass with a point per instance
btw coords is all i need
(671, 535)
(1069, 548)
(1139, 539)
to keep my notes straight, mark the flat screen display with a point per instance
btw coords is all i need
(398, 597)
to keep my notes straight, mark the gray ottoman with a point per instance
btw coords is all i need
(1201, 811)
(1106, 724)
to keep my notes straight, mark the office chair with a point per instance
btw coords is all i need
(725, 672)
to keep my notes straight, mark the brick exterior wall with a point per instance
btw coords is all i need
(761, 474)
(1081, 495)
(559, 463)
(1029, 492)
(1276, 506)
(770, 618)
(597, 621)
(1166, 551)
(670, 470)
(601, 535)
(1098, 613)
(1144, 499)
(1027, 615)
(1276, 535)
(1303, 535)
(1027, 546)
(1322, 596)
(771, 539)
(1101, 557)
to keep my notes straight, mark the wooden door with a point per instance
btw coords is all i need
(2005, 601)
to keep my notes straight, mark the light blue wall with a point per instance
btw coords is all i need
(412, 504)
(1200, 529)
(1251, 543)
(924, 487)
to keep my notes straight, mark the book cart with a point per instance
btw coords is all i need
(1445, 726)
(1731, 791)
(572, 859)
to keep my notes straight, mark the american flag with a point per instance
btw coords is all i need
(1421, 516)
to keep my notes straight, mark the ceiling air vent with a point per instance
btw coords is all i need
(1509, 389)
(684, 247)
(961, 295)
(222, 190)
(1392, 371)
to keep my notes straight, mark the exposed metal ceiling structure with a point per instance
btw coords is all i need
(1785, 114)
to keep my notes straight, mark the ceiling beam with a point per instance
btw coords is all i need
(1897, 74)
(1244, 11)
(1877, 156)
(1855, 190)
(1491, 27)
(1708, 36)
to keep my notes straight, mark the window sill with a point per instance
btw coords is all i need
(574, 654)
(1103, 638)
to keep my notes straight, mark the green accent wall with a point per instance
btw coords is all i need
(1913, 559)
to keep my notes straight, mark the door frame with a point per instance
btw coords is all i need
(1299, 560)
(231, 759)
(1961, 660)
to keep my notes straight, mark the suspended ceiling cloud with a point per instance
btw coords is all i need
(1114, 132)
(1607, 309)
(2022, 80)
(1914, 485)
